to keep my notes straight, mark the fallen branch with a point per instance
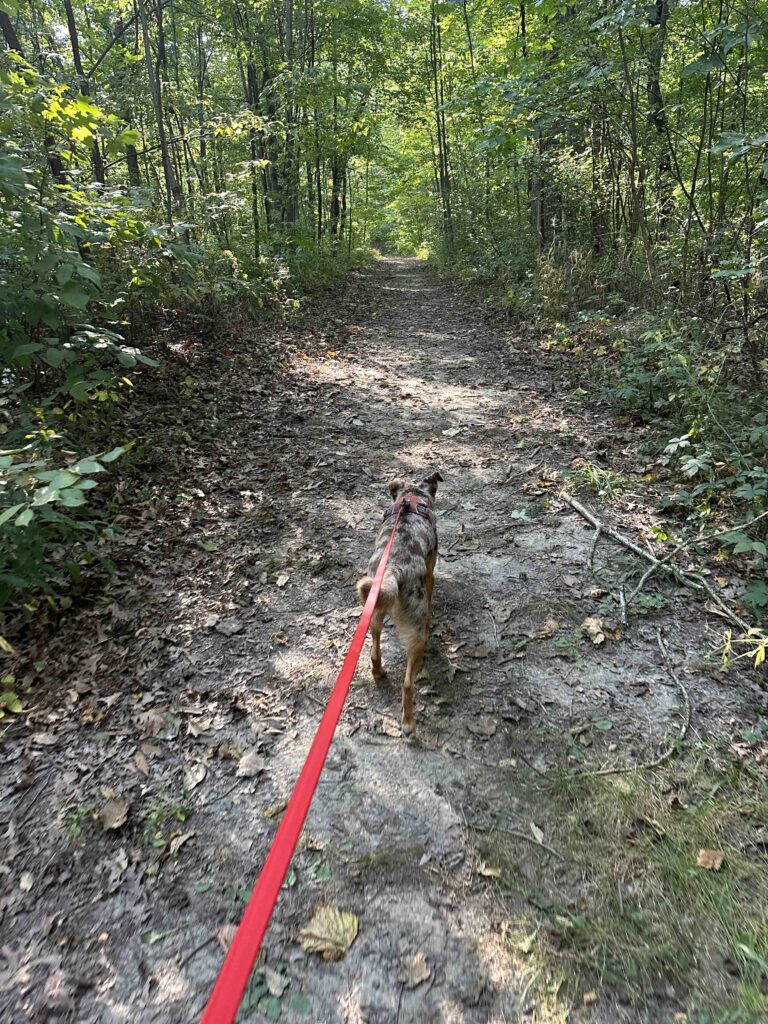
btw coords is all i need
(701, 539)
(517, 834)
(689, 580)
(592, 549)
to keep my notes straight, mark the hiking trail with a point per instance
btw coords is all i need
(180, 697)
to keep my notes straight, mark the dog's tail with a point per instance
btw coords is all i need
(387, 594)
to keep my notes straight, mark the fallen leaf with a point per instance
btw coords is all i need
(225, 934)
(488, 872)
(194, 775)
(276, 983)
(142, 764)
(480, 651)
(114, 813)
(452, 431)
(568, 580)
(44, 739)
(483, 725)
(592, 628)
(282, 579)
(537, 833)
(229, 627)
(26, 881)
(589, 998)
(548, 629)
(250, 765)
(415, 970)
(388, 726)
(178, 841)
(272, 812)
(711, 860)
(150, 723)
(330, 932)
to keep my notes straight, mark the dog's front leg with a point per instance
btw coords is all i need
(376, 623)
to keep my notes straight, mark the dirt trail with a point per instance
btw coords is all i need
(209, 655)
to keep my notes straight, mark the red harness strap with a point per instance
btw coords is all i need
(228, 990)
(410, 503)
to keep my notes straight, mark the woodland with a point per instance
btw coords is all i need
(170, 166)
(184, 181)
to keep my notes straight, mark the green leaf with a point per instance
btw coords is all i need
(59, 477)
(756, 595)
(71, 497)
(10, 702)
(25, 518)
(89, 273)
(71, 295)
(88, 466)
(114, 454)
(56, 357)
(10, 513)
(300, 1003)
(65, 272)
(80, 390)
(270, 1007)
(28, 349)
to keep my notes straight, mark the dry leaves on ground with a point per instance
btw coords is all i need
(415, 970)
(251, 764)
(330, 932)
(593, 629)
(711, 860)
(114, 813)
(225, 934)
(544, 632)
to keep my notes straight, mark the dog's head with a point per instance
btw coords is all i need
(425, 488)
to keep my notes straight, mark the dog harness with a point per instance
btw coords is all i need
(410, 503)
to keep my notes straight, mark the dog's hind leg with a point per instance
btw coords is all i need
(376, 623)
(415, 645)
(430, 586)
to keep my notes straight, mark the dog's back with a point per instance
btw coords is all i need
(407, 584)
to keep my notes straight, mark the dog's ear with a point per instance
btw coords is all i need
(395, 486)
(432, 481)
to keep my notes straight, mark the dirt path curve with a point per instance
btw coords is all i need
(185, 715)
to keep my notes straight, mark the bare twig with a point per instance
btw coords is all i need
(198, 949)
(517, 834)
(689, 580)
(701, 539)
(495, 628)
(592, 549)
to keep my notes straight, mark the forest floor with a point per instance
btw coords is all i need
(494, 876)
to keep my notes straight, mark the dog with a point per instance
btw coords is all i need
(406, 588)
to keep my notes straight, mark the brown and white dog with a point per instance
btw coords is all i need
(406, 589)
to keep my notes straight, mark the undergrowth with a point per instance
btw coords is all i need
(632, 912)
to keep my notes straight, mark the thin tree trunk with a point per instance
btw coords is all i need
(173, 192)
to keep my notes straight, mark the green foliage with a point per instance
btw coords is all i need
(142, 196)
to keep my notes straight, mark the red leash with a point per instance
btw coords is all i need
(228, 990)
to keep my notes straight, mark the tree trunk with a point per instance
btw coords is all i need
(173, 192)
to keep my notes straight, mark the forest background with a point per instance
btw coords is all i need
(171, 171)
